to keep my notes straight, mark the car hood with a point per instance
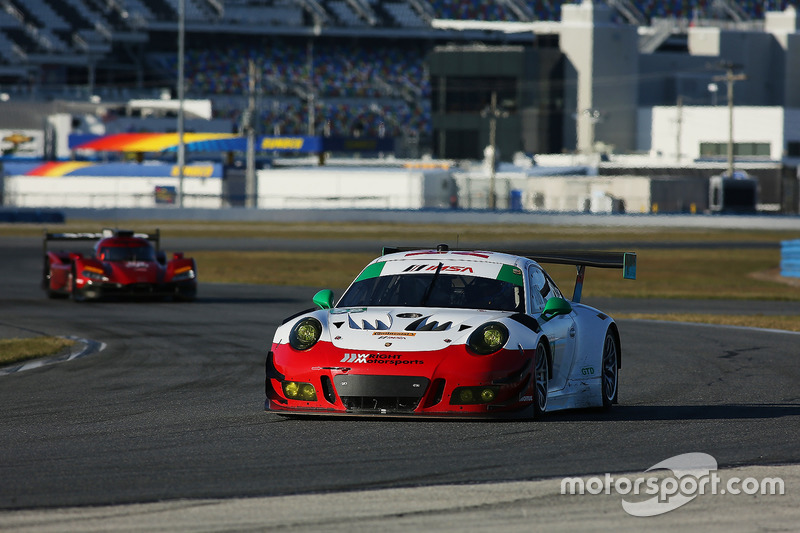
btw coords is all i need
(406, 329)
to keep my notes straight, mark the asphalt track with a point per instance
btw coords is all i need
(170, 412)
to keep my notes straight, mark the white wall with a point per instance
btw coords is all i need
(696, 124)
(572, 194)
(321, 187)
(104, 192)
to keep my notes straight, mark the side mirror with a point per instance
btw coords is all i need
(323, 299)
(555, 307)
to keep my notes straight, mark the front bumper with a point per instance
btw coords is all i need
(95, 290)
(417, 393)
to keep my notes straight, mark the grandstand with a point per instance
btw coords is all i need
(325, 67)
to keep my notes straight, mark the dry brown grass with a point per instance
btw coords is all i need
(662, 273)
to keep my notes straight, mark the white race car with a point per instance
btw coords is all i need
(450, 333)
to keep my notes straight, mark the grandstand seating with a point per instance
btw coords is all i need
(384, 88)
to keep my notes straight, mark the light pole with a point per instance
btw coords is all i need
(250, 182)
(729, 78)
(181, 145)
(493, 112)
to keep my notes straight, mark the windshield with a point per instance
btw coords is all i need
(133, 253)
(435, 290)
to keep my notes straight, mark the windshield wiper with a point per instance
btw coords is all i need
(429, 290)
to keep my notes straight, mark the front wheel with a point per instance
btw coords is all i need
(540, 378)
(610, 378)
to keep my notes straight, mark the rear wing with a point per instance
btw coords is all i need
(107, 232)
(581, 259)
(626, 261)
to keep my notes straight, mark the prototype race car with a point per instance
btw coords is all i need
(122, 263)
(450, 333)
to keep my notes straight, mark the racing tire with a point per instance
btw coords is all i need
(541, 374)
(609, 380)
(46, 277)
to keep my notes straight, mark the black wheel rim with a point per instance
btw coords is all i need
(541, 377)
(609, 368)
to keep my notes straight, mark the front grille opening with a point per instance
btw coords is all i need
(327, 390)
(437, 391)
(380, 404)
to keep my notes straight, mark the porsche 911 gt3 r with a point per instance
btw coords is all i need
(450, 333)
(121, 263)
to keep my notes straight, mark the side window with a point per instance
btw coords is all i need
(538, 288)
(554, 292)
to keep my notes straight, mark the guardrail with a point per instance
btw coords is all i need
(790, 258)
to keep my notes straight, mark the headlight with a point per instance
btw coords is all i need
(93, 275)
(473, 395)
(488, 338)
(295, 390)
(183, 275)
(305, 334)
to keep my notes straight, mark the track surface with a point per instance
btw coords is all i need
(172, 408)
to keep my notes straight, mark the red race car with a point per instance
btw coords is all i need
(122, 263)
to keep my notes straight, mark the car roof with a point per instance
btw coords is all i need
(468, 256)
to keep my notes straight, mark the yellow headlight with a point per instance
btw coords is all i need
(299, 391)
(474, 395)
(307, 392)
(466, 396)
(291, 389)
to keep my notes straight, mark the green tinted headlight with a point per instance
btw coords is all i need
(305, 333)
(488, 338)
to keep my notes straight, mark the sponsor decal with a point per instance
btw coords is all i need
(359, 144)
(15, 140)
(445, 268)
(378, 358)
(394, 333)
(281, 143)
(193, 171)
(166, 194)
(343, 311)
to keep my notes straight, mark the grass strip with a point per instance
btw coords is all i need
(17, 350)
(683, 273)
